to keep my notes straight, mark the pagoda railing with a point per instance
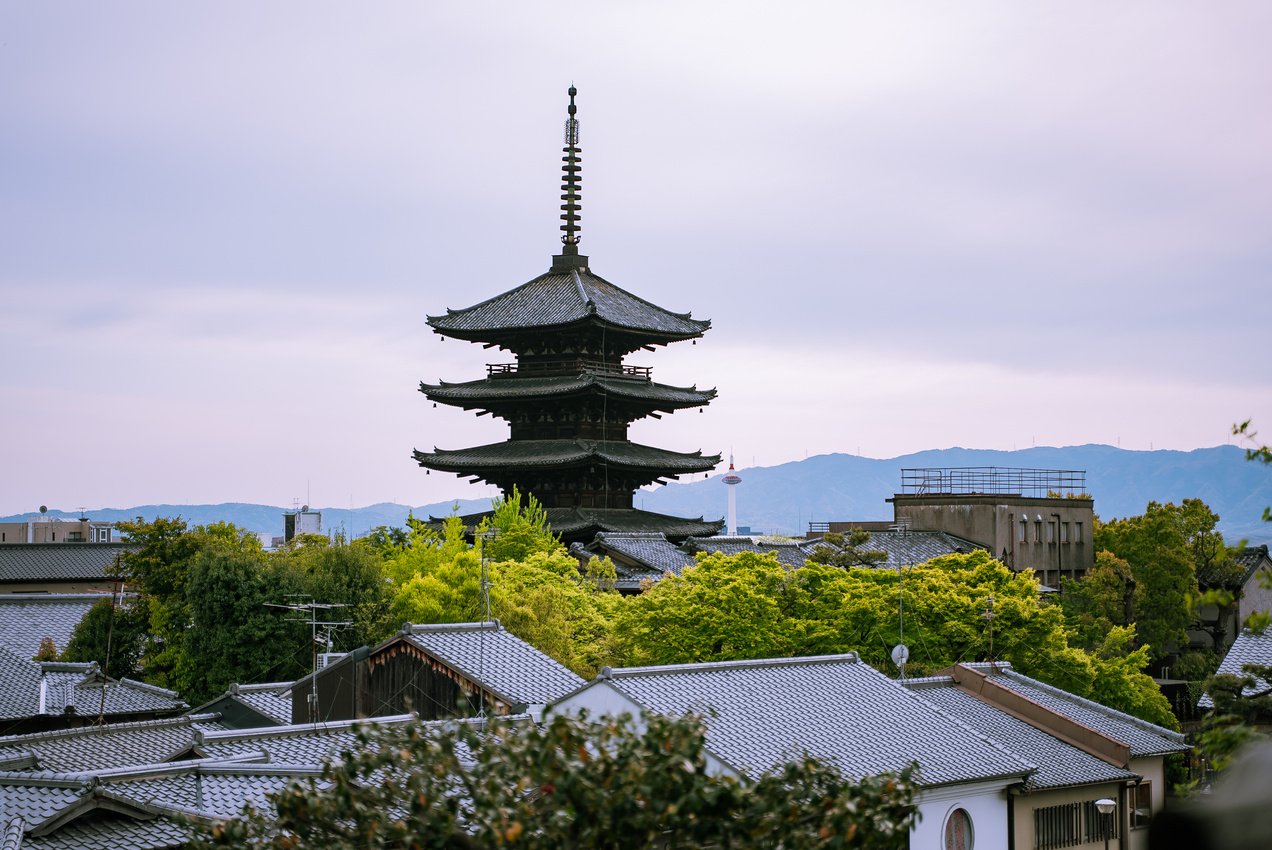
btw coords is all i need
(994, 480)
(568, 366)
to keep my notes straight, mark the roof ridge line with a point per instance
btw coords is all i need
(1101, 708)
(178, 720)
(300, 728)
(608, 672)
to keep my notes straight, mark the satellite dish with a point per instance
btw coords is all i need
(304, 509)
(44, 509)
(900, 654)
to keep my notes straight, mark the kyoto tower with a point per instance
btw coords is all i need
(732, 480)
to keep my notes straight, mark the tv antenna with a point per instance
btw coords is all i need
(328, 628)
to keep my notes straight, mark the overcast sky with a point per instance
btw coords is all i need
(913, 226)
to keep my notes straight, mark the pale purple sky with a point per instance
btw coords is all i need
(984, 224)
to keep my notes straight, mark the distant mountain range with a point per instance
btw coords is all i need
(785, 498)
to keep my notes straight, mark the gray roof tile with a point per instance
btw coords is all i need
(661, 396)
(654, 555)
(27, 618)
(562, 299)
(1248, 648)
(73, 686)
(567, 452)
(106, 747)
(305, 744)
(1142, 737)
(1059, 764)
(761, 713)
(27, 562)
(508, 665)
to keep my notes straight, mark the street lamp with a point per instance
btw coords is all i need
(1106, 807)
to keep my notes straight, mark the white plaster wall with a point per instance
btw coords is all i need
(985, 802)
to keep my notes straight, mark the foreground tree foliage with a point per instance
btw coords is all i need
(568, 784)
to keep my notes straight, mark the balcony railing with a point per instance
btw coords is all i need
(568, 366)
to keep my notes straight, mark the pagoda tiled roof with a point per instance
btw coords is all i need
(578, 522)
(563, 298)
(514, 454)
(519, 389)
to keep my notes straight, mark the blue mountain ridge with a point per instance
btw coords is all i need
(783, 499)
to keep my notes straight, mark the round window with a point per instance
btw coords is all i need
(958, 830)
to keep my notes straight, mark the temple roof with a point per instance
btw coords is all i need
(579, 524)
(521, 454)
(489, 390)
(562, 298)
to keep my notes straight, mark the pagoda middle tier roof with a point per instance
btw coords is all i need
(524, 454)
(562, 298)
(517, 388)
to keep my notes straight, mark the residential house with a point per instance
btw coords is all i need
(252, 706)
(437, 671)
(54, 568)
(37, 696)
(1084, 751)
(759, 714)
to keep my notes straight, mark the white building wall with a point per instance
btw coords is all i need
(985, 802)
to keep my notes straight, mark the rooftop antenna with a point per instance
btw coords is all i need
(571, 187)
(901, 652)
(312, 608)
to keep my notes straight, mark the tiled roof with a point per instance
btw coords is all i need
(29, 688)
(298, 744)
(517, 454)
(501, 661)
(762, 713)
(114, 745)
(27, 618)
(1251, 558)
(272, 702)
(1248, 648)
(1144, 738)
(1059, 764)
(577, 521)
(101, 830)
(214, 790)
(659, 396)
(564, 299)
(27, 562)
(654, 555)
(905, 548)
(791, 555)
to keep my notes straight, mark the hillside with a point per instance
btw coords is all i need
(785, 498)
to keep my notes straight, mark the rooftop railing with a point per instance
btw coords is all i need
(994, 480)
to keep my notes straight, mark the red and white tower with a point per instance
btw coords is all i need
(732, 480)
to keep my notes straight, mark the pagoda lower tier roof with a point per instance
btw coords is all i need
(513, 455)
(563, 298)
(582, 524)
(511, 388)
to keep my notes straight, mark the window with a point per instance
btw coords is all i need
(1024, 531)
(1038, 530)
(1071, 824)
(1077, 532)
(958, 831)
(1051, 532)
(1064, 532)
(1141, 805)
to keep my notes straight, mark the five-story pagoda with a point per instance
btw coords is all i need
(569, 397)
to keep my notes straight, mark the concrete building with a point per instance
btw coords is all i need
(1031, 519)
(47, 529)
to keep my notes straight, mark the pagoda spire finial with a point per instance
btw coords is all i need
(571, 186)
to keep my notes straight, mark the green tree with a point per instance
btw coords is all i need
(568, 784)
(966, 607)
(118, 632)
(353, 576)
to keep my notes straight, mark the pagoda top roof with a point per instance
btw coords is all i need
(512, 454)
(567, 295)
(518, 388)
